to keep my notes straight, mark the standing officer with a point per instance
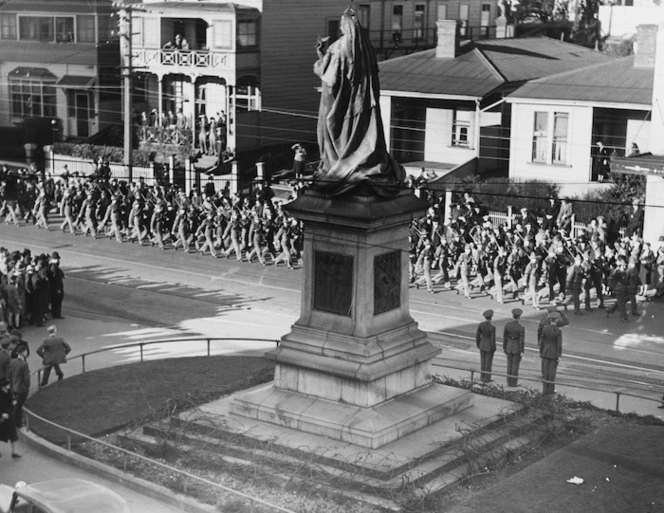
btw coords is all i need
(550, 344)
(514, 344)
(486, 343)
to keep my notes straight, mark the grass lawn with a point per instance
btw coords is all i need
(99, 402)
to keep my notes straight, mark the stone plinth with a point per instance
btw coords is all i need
(355, 366)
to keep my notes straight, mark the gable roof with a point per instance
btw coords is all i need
(616, 81)
(482, 66)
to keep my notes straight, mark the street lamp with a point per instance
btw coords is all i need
(54, 129)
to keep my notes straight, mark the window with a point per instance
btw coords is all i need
(8, 26)
(30, 98)
(247, 94)
(223, 34)
(486, 15)
(333, 29)
(151, 32)
(247, 33)
(36, 28)
(461, 129)
(418, 22)
(442, 11)
(540, 137)
(397, 22)
(85, 29)
(550, 150)
(463, 18)
(64, 29)
(560, 128)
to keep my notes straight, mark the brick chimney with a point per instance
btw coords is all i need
(448, 40)
(644, 46)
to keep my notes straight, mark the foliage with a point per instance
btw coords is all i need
(622, 49)
(542, 10)
(612, 203)
(497, 194)
(112, 154)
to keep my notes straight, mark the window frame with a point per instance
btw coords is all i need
(80, 18)
(462, 129)
(250, 43)
(69, 35)
(547, 147)
(13, 27)
(225, 42)
(419, 21)
(41, 24)
(21, 89)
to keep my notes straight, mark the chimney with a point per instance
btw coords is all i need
(644, 46)
(448, 42)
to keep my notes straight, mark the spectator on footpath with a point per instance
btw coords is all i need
(7, 425)
(485, 339)
(53, 351)
(5, 357)
(18, 342)
(20, 382)
(56, 285)
(514, 345)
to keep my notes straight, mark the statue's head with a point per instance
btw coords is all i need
(348, 20)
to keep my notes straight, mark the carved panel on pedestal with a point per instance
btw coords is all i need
(387, 282)
(333, 283)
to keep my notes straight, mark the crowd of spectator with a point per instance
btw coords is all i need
(535, 259)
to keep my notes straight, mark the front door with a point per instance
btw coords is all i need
(82, 114)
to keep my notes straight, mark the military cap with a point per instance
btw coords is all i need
(517, 312)
(488, 314)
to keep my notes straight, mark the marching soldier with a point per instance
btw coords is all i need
(486, 343)
(514, 344)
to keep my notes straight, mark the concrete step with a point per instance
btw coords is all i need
(491, 445)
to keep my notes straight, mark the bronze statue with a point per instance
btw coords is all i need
(350, 129)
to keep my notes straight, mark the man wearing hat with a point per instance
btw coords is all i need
(633, 284)
(550, 342)
(618, 283)
(56, 284)
(53, 351)
(486, 343)
(575, 278)
(553, 316)
(514, 344)
(7, 426)
(5, 357)
(20, 382)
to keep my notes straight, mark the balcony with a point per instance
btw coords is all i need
(183, 61)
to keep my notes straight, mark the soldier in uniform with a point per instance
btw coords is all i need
(575, 277)
(550, 342)
(618, 283)
(633, 284)
(514, 344)
(486, 343)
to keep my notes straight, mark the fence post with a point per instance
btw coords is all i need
(171, 169)
(141, 346)
(260, 172)
(235, 178)
(509, 216)
(573, 229)
(618, 392)
(208, 347)
(68, 441)
(83, 363)
(188, 176)
(472, 376)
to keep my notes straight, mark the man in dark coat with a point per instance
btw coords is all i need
(514, 345)
(20, 382)
(633, 284)
(486, 343)
(53, 351)
(56, 284)
(7, 425)
(551, 349)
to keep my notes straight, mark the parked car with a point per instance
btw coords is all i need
(60, 496)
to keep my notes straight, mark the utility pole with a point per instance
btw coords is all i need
(124, 13)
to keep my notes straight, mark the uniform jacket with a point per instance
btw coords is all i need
(486, 336)
(562, 321)
(20, 375)
(54, 351)
(514, 338)
(551, 342)
(633, 280)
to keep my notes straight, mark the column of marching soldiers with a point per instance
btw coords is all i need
(528, 260)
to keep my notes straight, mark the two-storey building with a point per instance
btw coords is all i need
(58, 60)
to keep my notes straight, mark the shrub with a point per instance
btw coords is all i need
(612, 203)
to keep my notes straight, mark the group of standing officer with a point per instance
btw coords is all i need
(549, 341)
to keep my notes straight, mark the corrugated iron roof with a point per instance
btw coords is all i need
(481, 66)
(617, 81)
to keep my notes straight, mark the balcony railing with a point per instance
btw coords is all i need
(146, 57)
(164, 135)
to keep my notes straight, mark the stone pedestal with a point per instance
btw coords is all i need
(355, 366)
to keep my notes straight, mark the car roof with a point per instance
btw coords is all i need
(73, 496)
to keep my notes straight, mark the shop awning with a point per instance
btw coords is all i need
(76, 82)
(27, 73)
